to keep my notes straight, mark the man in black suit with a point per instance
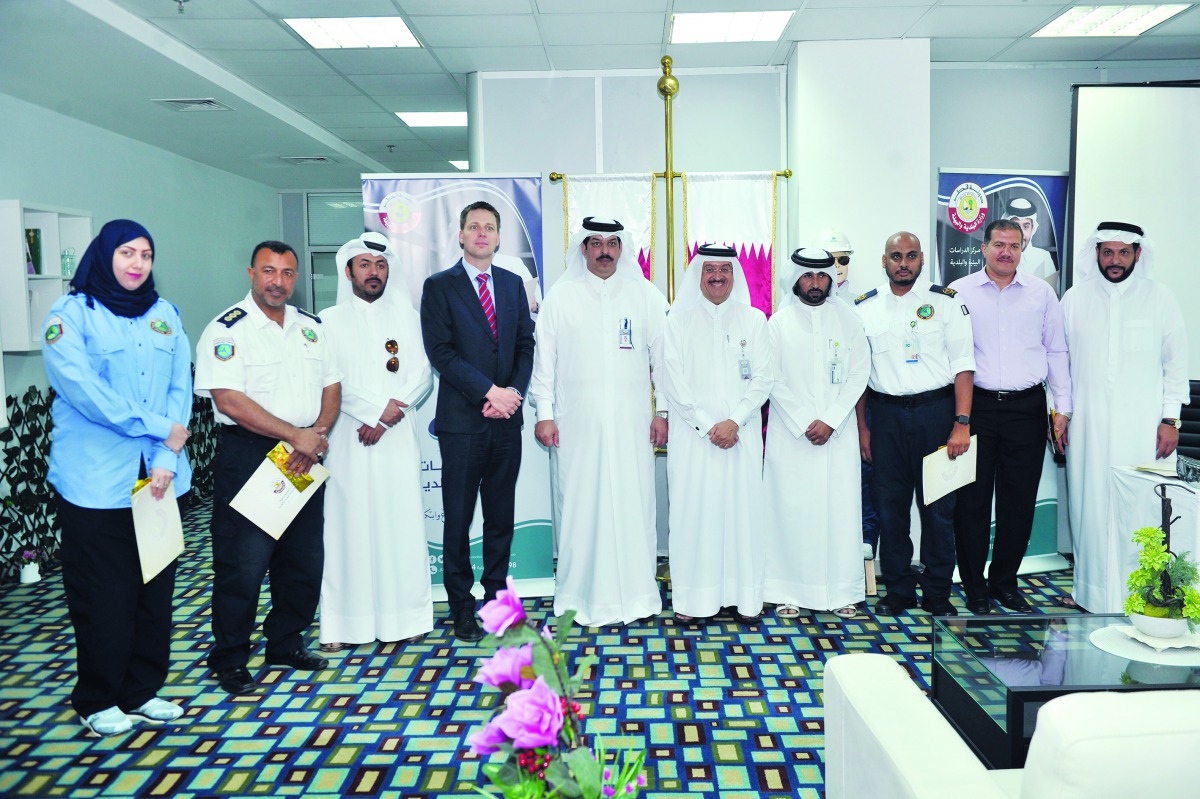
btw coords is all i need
(479, 337)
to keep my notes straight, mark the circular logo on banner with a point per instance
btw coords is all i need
(967, 207)
(399, 212)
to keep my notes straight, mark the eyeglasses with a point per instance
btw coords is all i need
(393, 363)
(843, 259)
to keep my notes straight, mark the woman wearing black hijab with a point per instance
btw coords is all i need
(120, 365)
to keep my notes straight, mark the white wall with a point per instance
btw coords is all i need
(204, 221)
(859, 146)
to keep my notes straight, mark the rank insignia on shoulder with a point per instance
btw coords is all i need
(223, 349)
(949, 292)
(233, 317)
(310, 334)
(160, 326)
(867, 296)
(311, 316)
(54, 330)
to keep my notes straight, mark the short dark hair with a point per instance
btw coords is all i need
(277, 247)
(1001, 224)
(479, 205)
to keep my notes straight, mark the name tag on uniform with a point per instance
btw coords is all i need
(625, 337)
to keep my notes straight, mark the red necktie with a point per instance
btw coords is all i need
(485, 299)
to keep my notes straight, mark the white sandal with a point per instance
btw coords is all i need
(787, 611)
(848, 612)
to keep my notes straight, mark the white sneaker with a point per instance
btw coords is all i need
(108, 722)
(157, 711)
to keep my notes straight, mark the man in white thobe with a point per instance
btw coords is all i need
(376, 580)
(718, 369)
(1128, 352)
(599, 333)
(821, 361)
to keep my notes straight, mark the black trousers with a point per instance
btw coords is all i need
(901, 435)
(484, 464)
(1012, 445)
(122, 626)
(242, 554)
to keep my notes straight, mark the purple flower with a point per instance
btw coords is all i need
(609, 790)
(629, 787)
(533, 717)
(504, 611)
(511, 664)
(607, 774)
(641, 779)
(488, 739)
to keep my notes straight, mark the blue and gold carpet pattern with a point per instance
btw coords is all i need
(720, 708)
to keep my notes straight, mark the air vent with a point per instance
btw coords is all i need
(203, 104)
(305, 160)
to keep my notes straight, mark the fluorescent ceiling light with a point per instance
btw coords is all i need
(463, 165)
(1109, 20)
(733, 26)
(433, 119)
(331, 33)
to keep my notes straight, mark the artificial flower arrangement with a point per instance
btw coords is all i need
(1164, 584)
(539, 726)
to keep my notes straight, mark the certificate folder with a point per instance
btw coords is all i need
(272, 498)
(940, 475)
(157, 528)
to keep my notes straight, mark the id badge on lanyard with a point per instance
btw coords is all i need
(625, 337)
(912, 353)
(744, 362)
(835, 362)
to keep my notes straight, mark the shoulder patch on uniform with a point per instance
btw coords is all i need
(223, 349)
(54, 329)
(232, 318)
(311, 316)
(867, 296)
(949, 292)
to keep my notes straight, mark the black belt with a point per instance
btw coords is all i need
(909, 400)
(1009, 396)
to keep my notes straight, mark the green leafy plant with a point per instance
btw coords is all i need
(1164, 584)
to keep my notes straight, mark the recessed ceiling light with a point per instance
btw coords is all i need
(733, 26)
(1109, 20)
(433, 119)
(330, 33)
(463, 165)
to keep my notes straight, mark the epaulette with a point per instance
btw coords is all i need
(311, 316)
(949, 292)
(233, 317)
(867, 296)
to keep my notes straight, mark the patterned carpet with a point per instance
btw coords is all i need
(720, 709)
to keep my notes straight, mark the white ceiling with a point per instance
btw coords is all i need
(103, 61)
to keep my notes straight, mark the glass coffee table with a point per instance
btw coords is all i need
(991, 674)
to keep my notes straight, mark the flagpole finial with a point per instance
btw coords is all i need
(668, 84)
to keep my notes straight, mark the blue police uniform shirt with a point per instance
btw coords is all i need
(120, 383)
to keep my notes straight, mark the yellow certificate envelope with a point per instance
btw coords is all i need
(940, 475)
(157, 527)
(272, 498)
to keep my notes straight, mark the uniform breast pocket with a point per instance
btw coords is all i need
(314, 366)
(164, 350)
(262, 375)
(930, 336)
(107, 355)
(879, 338)
(1138, 337)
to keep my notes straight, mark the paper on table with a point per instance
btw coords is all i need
(157, 528)
(1161, 471)
(272, 498)
(940, 475)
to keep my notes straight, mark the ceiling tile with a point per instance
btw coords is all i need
(1152, 48)
(406, 84)
(1058, 3)
(852, 23)
(1072, 49)
(270, 62)
(464, 7)
(513, 31)
(221, 34)
(399, 136)
(1185, 24)
(382, 61)
(485, 59)
(201, 9)
(883, 3)
(456, 137)
(967, 21)
(290, 9)
(966, 49)
(613, 56)
(381, 119)
(304, 85)
(586, 30)
(725, 54)
(422, 102)
(576, 7)
(331, 103)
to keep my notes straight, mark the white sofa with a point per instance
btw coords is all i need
(884, 739)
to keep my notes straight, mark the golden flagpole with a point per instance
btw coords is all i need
(668, 87)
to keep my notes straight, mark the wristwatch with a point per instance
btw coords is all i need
(962, 419)
(661, 414)
(1176, 423)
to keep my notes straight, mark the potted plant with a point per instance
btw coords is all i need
(1163, 599)
(31, 564)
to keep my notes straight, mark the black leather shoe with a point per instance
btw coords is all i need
(939, 606)
(236, 680)
(1012, 600)
(894, 605)
(466, 628)
(300, 659)
(979, 605)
